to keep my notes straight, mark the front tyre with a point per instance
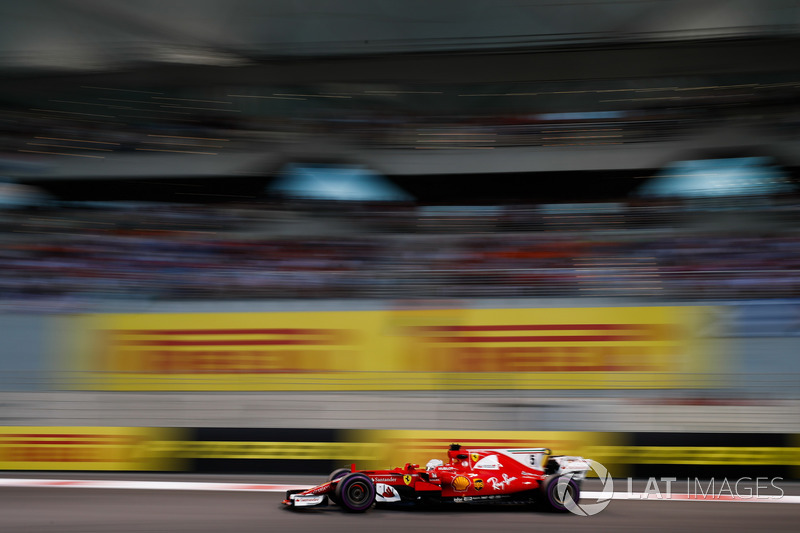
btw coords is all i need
(561, 493)
(355, 492)
(339, 472)
(336, 474)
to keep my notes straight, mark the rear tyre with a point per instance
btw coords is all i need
(355, 492)
(558, 495)
(336, 474)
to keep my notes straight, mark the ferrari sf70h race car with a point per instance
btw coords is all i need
(473, 476)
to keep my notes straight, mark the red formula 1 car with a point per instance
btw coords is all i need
(521, 476)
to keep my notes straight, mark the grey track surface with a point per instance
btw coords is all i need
(64, 510)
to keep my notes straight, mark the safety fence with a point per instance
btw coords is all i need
(646, 410)
(26, 289)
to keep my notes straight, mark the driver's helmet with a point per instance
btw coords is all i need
(434, 463)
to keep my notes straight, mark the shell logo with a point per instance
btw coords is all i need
(460, 483)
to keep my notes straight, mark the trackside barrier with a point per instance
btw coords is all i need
(234, 450)
(86, 448)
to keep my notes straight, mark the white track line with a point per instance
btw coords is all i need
(146, 485)
(644, 496)
(271, 487)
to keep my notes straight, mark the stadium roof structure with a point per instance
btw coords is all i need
(136, 75)
(85, 36)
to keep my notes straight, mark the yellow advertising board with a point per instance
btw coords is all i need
(450, 349)
(86, 448)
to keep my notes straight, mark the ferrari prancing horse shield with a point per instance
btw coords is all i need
(407, 478)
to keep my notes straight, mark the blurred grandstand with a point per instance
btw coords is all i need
(264, 251)
(154, 176)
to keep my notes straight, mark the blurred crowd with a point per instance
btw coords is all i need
(260, 251)
(22, 133)
(130, 125)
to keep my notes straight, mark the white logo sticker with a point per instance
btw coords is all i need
(386, 493)
(500, 485)
(490, 462)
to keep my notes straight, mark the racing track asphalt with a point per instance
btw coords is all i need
(83, 510)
